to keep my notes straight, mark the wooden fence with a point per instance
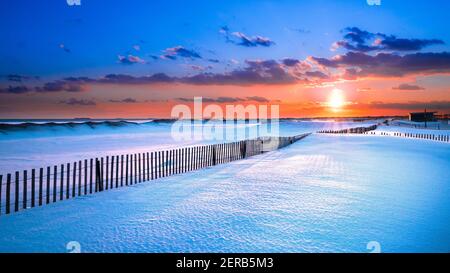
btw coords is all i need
(434, 137)
(370, 131)
(27, 189)
(358, 130)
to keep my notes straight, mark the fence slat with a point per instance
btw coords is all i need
(112, 173)
(68, 182)
(25, 190)
(47, 188)
(1, 185)
(8, 194)
(79, 177)
(117, 171)
(55, 176)
(74, 180)
(151, 165)
(16, 193)
(91, 174)
(41, 174)
(126, 171)
(107, 173)
(33, 187)
(61, 183)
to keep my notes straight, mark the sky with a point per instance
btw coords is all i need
(138, 59)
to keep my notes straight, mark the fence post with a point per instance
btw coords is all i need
(117, 171)
(214, 155)
(151, 165)
(16, 193)
(68, 182)
(55, 174)
(121, 170)
(126, 171)
(41, 174)
(61, 183)
(79, 177)
(74, 178)
(47, 189)
(111, 182)
(85, 176)
(148, 166)
(107, 173)
(25, 190)
(1, 182)
(33, 186)
(8, 194)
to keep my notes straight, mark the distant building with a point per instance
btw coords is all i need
(422, 116)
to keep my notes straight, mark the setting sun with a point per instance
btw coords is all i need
(336, 100)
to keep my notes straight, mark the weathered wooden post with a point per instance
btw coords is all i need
(41, 174)
(126, 171)
(16, 193)
(8, 194)
(74, 178)
(24, 193)
(47, 188)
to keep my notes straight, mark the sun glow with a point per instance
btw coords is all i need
(336, 100)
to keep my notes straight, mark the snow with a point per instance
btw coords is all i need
(41, 146)
(325, 193)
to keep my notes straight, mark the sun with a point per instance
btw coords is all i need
(336, 100)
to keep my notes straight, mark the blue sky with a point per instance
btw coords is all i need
(221, 43)
(97, 31)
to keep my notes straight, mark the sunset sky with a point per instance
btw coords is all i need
(136, 59)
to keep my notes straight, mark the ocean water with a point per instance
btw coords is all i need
(325, 193)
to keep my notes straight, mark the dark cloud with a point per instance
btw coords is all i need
(388, 64)
(359, 40)
(19, 78)
(290, 62)
(15, 90)
(213, 60)
(60, 85)
(258, 99)
(316, 74)
(413, 105)
(405, 86)
(173, 53)
(239, 38)
(126, 100)
(82, 102)
(130, 59)
(227, 99)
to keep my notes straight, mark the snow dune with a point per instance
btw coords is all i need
(321, 194)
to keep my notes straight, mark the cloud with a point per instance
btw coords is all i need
(413, 105)
(126, 100)
(60, 85)
(64, 47)
(15, 90)
(227, 99)
(405, 86)
(290, 62)
(359, 64)
(239, 38)
(213, 60)
(82, 102)
(258, 99)
(254, 41)
(359, 40)
(19, 78)
(173, 53)
(130, 59)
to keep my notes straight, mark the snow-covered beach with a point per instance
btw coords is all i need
(325, 193)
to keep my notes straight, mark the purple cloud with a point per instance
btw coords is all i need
(405, 86)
